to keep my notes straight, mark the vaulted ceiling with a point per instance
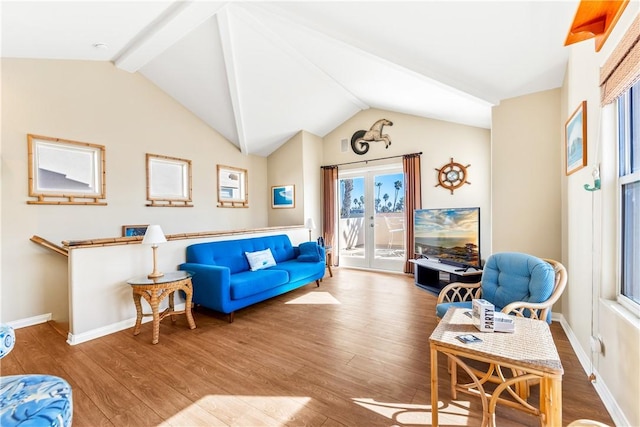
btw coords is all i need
(259, 72)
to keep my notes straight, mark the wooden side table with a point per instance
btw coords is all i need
(154, 291)
(329, 260)
(529, 352)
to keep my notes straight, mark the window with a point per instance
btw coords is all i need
(629, 193)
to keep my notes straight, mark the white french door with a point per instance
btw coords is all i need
(371, 226)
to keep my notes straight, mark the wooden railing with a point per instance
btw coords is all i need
(50, 245)
(72, 244)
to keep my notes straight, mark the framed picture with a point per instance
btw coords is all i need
(168, 181)
(64, 169)
(576, 140)
(134, 230)
(283, 196)
(232, 187)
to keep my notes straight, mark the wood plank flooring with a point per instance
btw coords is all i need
(361, 361)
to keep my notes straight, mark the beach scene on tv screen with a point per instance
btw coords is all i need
(448, 234)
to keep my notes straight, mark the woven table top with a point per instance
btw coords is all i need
(530, 346)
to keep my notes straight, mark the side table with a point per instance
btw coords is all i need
(529, 352)
(154, 291)
(329, 260)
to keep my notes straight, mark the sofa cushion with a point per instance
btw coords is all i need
(441, 309)
(231, 253)
(247, 283)
(298, 270)
(309, 252)
(260, 259)
(510, 276)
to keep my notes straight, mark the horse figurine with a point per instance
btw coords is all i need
(359, 138)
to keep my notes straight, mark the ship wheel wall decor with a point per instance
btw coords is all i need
(452, 176)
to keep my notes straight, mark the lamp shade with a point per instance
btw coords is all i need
(153, 236)
(310, 224)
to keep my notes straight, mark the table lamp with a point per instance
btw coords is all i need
(309, 224)
(153, 236)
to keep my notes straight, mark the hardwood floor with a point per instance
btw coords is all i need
(353, 352)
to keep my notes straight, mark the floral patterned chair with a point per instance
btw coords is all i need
(32, 400)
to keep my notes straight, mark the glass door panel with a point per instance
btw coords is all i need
(389, 229)
(371, 226)
(352, 236)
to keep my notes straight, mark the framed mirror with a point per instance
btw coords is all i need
(232, 187)
(168, 181)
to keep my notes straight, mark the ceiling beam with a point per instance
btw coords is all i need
(224, 26)
(178, 20)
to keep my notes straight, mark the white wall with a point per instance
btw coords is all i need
(97, 103)
(438, 141)
(589, 233)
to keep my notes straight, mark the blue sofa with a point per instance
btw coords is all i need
(224, 282)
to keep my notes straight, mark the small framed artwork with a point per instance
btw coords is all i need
(576, 139)
(168, 181)
(283, 196)
(65, 172)
(134, 230)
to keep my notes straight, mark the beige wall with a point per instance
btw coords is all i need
(589, 238)
(525, 184)
(311, 161)
(97, 103)
(298, 162)
(438, 141)
(284, 167)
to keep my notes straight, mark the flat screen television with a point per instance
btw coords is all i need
(450, 235)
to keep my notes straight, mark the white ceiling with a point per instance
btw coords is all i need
(259, 72)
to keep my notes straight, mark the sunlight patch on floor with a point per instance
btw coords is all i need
(455, 414)
(246, 409)
(315, 298)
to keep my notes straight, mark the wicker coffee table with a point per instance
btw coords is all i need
(529, 352)
(154, 291)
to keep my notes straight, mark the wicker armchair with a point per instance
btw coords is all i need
(517, 284)
(537, 288)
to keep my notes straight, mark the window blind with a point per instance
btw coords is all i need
(622, 69)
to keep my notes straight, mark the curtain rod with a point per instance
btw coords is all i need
(371, 160)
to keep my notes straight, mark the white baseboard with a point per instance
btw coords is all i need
(73, 339)
(599, 385)
(30, 321)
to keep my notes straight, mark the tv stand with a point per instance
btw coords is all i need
(427, 274)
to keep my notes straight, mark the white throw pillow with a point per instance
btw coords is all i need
(260, 259)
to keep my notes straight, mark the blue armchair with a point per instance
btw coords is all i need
(515, 283)
(34, 400)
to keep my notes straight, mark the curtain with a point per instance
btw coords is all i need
(330, 184)
(622, 69)
(413, 201)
